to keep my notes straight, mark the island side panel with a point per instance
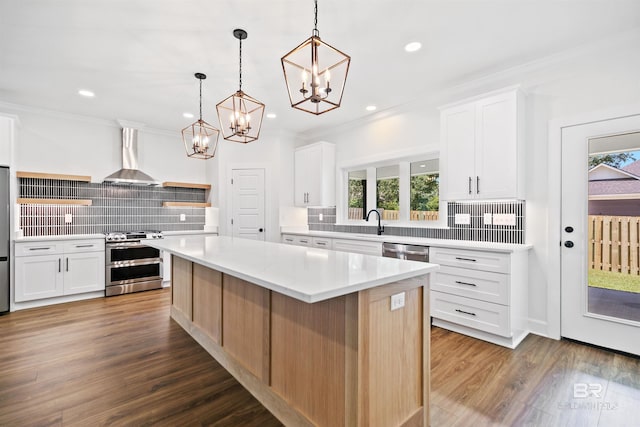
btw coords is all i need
(246, 324)
(207, 301)
(308, 357)
(392, 351)
(181, 286)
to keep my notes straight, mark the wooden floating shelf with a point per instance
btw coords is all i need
(77, 202)
(40, 175)
(185, 205)
(186, 185)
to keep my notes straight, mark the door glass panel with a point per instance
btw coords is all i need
(613, 231)
(357, 194)
(388, 192)
(424, 190)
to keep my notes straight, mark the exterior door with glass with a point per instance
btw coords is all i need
(600, 255)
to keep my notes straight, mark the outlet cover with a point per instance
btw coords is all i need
(397, 301)
(462, 219)
(68, 218)
(488, 219)
(320, 217)
(504, 219)
(183, 217)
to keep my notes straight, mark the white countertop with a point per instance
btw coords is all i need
(307, 274)
(60, 237)
(439, 243)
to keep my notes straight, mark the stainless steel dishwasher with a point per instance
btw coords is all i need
(402, 251)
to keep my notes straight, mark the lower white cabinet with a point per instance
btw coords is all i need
(482, 294)
(292, 239)
(343, 245)
(53, 269)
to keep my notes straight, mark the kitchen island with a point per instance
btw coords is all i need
(309, 332)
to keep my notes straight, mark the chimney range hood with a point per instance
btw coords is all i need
(129, 174)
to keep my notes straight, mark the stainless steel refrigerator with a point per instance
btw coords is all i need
(4, 239)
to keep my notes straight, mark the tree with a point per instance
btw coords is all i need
(388, 193)
(424, 193)
(614, 159)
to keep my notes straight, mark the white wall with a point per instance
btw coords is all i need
(59, 143)
(580, 81)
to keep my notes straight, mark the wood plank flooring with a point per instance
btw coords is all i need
(122, 361)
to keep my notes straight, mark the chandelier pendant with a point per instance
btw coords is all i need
(200, 138)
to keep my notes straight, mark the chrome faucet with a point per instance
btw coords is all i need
(380, 227)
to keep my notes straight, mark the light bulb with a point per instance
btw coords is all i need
(327, 76)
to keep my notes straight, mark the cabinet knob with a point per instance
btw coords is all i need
(568, 244)
(568, 229)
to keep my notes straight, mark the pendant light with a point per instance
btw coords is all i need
(315, 74)
(200, 138)
(240, 115)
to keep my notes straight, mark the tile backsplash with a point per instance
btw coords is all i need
(475, 230)
(114, 208)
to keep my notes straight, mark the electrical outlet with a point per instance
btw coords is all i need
(397, 301)
(183, 217)
(68, 218)
(504, 219)
(463, 219)
(488, 219)
(320, 217)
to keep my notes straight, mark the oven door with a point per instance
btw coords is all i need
(123, 273)
(125, 252)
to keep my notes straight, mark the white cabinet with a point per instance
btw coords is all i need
(292, 239)
(482, 150)
(482, 294)
(322, 242)
(315, 175)
(53, 269)
(358, 246)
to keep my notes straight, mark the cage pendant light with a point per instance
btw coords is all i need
(315, 74)
(240, 115)
(200, 138)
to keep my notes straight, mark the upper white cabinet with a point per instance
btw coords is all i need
(315, 175)
(482, 149)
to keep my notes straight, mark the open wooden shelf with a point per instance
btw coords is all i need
(186, 185)
(185, 205)
(78, 202)
(39, 175)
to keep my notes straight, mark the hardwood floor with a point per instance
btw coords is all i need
(122, 361)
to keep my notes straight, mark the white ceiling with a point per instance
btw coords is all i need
(139, 56)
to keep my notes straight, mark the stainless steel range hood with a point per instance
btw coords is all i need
(129, 174)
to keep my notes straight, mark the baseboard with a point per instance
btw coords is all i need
(56, 300)
(538, 327)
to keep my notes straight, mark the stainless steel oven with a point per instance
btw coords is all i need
(132, 266)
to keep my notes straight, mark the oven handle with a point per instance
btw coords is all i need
(134, 262)
(125, 245)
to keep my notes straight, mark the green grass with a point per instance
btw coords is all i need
(615, 281)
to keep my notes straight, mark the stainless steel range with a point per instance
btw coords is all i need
(132, 266)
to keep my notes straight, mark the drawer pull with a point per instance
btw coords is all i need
(465, 312)
(466, 259)
(465, 283)
(84, 246)
(40, 249)
(321, 243)
(304, 241)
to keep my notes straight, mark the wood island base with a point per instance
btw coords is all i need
(346, 361)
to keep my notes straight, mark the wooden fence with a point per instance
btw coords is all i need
(614, 243)
(356, 213)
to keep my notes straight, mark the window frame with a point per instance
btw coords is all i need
(404, 163)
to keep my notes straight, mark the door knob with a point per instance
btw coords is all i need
(260, 230)
(568, 229)
(568, 244)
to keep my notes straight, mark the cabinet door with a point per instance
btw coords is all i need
(457, 125)
(496, 145)
(38, 277)
(308, 171)
(83, 272)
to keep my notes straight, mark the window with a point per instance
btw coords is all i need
(424, 183)
(388, 192)
(357, 194)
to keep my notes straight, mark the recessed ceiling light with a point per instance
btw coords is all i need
(413, 46)
(187, 115)
(86, 93)
(371, 108)
(271, 116)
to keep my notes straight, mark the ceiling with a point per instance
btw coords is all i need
(139, 56)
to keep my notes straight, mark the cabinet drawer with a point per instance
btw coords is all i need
(476, 260)
(481, 315)
(303, 241)
(481, 285)
(288, 239)
(320, 242)
(38, 248)
(358, 246)
(75, 246)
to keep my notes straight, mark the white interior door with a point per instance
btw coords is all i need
(247, 218)
(607, 316)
